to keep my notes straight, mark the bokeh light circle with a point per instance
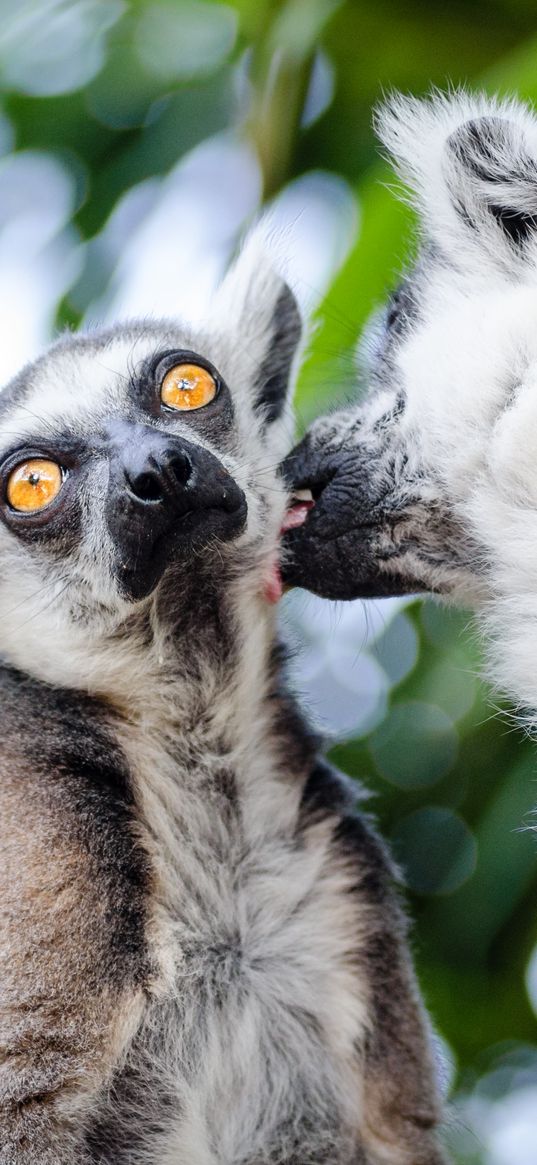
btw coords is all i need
(415, 745)
(435, 849)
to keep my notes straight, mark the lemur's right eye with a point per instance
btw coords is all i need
(33, 484)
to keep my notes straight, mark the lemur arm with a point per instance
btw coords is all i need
(64, 1021)
(71, 911)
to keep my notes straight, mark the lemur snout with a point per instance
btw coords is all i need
(163, 470)
(160, 476)
(166, 496)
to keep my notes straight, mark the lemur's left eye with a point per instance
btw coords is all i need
(188, 386)
(33, 484)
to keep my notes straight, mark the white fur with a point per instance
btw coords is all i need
(469, 368)
(416, 133)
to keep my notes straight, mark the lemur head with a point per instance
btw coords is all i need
(431, 483)
(138, 482)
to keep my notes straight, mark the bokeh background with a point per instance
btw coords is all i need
(138, 141)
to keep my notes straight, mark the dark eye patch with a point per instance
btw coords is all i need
(214, 421)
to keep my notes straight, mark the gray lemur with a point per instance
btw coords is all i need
(202, 955)
(431, 482)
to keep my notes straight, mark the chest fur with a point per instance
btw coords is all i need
(257, 1005)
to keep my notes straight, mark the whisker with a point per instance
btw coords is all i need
(113, 371)
(26, 599)
(45, 607)
(43, 422)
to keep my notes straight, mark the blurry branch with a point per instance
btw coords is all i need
(281, 73)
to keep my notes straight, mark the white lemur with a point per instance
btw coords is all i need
(431, 482)
(202, 956)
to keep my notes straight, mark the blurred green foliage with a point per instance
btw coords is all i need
(454, 786)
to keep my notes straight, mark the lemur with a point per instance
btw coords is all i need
(430, 483)
(203, 958)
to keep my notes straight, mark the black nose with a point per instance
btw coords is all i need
(167, 498)
(158, 475)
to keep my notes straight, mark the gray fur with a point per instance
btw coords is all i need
(202, 954)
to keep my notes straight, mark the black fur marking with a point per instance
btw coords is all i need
(472, 145)
(401, 310)
(225, 788)
(272, 381)
(516, 224)
(482, 146)
(326, 791)
(356, 839)
(193, 603)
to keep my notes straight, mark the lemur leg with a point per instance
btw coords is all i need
(401, 1108)
(68, 992)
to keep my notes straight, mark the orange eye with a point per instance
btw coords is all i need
(33, 484)
(188, 386)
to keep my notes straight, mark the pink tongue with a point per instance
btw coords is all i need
(273, 585)
(296, 516)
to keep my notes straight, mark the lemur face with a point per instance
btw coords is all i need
(132, 482)
(141, 462)
(430, 484)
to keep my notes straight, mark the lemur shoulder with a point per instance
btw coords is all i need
(202, 955)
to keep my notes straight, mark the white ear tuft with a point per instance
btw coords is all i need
(471, 162)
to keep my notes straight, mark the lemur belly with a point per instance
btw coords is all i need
(249, 1047)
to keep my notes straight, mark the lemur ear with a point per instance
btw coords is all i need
(274, 379)
(472, 163)
(263, 314)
